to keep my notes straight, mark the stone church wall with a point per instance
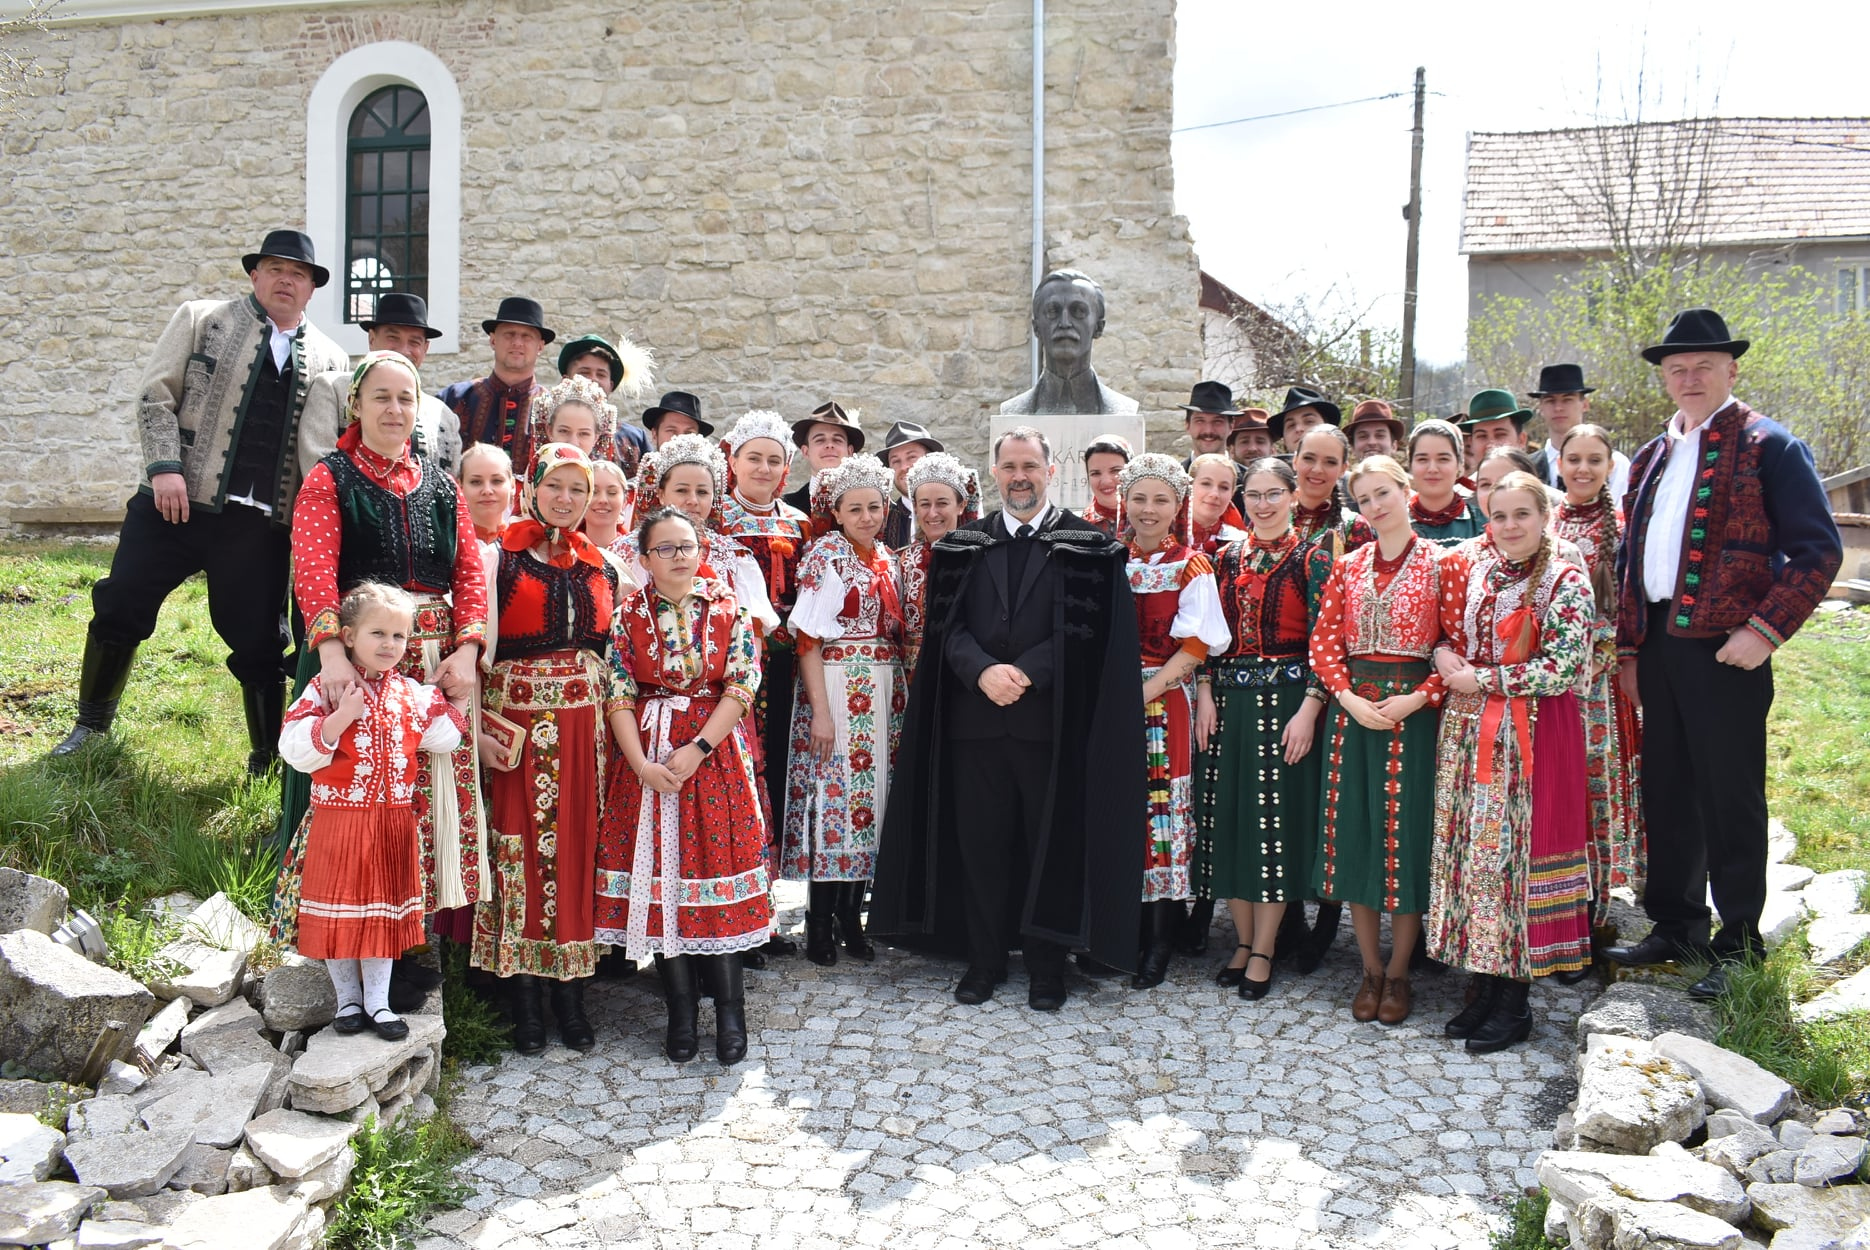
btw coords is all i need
(788, 201)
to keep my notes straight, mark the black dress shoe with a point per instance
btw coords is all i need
(352, 1021)
(1046, 994)
(1092, 968)
(1654, 949)
(389, 1027)
(754, 959)
(1254, 991)
(1228, 977)
(976, 986)
(1711, 986)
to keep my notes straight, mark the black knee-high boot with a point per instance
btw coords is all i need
(1193, 939)
(821, 900)
(1163, 916)
(678, 990)
(574, 1028)
(730, 1009)
(528, 1010)
(850, 913)
(100, 688)
(1510, 1021)
(265, 705)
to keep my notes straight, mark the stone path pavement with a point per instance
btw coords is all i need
(875, 1111)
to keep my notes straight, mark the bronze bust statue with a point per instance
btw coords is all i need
(1067, 315)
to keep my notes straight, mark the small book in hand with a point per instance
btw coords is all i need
(508, 736)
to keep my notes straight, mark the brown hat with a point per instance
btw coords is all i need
(1376, 412)
(829, 414)
(1250, 419)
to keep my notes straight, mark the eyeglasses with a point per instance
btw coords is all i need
(1255, 498)
(674, 551)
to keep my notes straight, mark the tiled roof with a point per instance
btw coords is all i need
(1755, 180)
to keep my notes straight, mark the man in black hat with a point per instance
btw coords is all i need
(1305, 409)
(1208, 418)
(905, 444)
(399, 324)
(592, 356)
(496, 409)
(1563, 400)
(828, 438)
(1729, 547)
(219, 411)
(677, 413)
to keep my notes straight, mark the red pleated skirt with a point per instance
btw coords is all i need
(362, 891)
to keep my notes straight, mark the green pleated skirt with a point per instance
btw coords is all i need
(1378, 793)
(1256, 815)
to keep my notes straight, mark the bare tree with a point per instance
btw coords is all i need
(19, 69)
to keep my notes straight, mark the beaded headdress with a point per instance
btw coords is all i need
(682, 449)
(1162, 468)
(574, 390)
(370, 361)
(939, 466)
(859, 472)
(759, 423)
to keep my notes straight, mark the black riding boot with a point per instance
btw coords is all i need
(1293, 933)
(574, 1029)
(730, 1009)
(100, 686)
(1472, 1016)
(1194, 935)
(265, 705)
(1163, 917)
(528, 1010)
(1318, 944)
(1508, 1024)
(821, 945)
(850, 913)
(678, 989)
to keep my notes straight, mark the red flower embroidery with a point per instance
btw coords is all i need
(861, 761)
(863, 818)
(860, 703)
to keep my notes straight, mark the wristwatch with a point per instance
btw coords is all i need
(702, 744)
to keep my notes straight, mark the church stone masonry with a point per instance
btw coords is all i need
(790, 201)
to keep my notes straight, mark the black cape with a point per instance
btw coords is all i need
(1084, 886)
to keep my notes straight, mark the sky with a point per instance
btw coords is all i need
(1308, 208)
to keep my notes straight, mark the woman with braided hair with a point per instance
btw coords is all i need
(1588, 517)
(1509, 890)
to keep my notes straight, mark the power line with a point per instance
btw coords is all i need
(1315, 108)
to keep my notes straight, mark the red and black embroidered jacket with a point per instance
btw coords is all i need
(1759, 547)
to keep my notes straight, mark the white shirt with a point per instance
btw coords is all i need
(1665, 536)
(1038, 522)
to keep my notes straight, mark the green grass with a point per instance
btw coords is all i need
(477, 1030)
(402, 1173)
(1525, 1228)
(135, 941)
(1818, 745)
(1827, 1062)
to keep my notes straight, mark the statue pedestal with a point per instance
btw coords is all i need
(1069, 434)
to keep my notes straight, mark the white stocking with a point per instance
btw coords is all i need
(347, 981)
(377, 988)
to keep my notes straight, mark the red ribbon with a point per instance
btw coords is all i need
(1519, 636)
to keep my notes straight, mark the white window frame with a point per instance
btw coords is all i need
(1860, 269)
(339, 91)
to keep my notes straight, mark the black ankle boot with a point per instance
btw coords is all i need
(678, 990)
(1317, 944)
(1510, 1022)
(730, 1009)
(528, 1011)
(1472, 1016)
(1163, 917)
(1293, 935)
(265, 705)
(1194, 936)
(850, 914)
(574, 1029)
(821, 945)
(101, 681)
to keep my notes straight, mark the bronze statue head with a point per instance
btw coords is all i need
(1067, 314)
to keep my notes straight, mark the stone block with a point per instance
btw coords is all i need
(104, 1116)
(1734, 1152)
(217, 1109)
(29, 1151)
(231, 1027)
(1636, 1009)
(1857, 1239)
(1836, 893)
(256, 1219)
(219, 923)
(245, 1171)
(1729, 1080)
(56, 1007)
(1831, 938)
(1578, 1176)
(204, 1170)
(129, 1165)
(328, 1179)
(42, 1211)
(1777, 1167)
(117, 1235)
(1788, 876)
(161, 1032)
(1793, 1205)
(29, 902)
(1781, 916)
(293, 1143)
(1630, 1098)
(122, 1078)
(1837, 1120)
(1780, 841)
(298, 997)
(1826, 1159)
(337, 1072)
(1793, 1134)
(161, 1085)
(1849, 995)
(1613, 1223)
(209, 977)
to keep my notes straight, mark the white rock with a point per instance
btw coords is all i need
(160, 1033)
(245, 1171)
(29, 1151)
(1804, 1239)
(1775, 1167)
(1831, 938)
(1837, 893)
(219, 923)
(36, 1212)
(56, 1006)
(328, 1179)
(233, 1020)
(129, 1165)
(1836, 1120)
(1735, 1151)
(293, 1143)
(1578, 1176)
(122, 1078)
(1559, 1222)
(1788, 876)
(1827, 1159)
(1729, 1080)
(1781, 916)
(1788, 1206)
(217, 1109)
(258, 1219)
(1780, 843)
(29, 902)
(210, 975)
(1848, 995)
(1614, 1223)
(1793, 1135)
(336, 1072)
(104, 1116)
(204, 1170)
(1630, 1098)
(117, 1235)
(163, 1084)
(1723, 1121)
(1857, 1239)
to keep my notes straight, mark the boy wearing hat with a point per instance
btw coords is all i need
(1251, 438)
(905, 444)
(678, 413)
(219, 411)
(1373, 430)
(1306, 408)
(1494, 419)
(828, 437)
(591, 356)
(399, 324)
(494, 409)
(1208, 417)
(1729, 547)
(1563, 400)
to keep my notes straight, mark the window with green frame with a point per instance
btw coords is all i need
(386, 199)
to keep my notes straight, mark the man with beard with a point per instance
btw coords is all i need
(1017, 780)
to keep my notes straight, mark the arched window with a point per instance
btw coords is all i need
(383, 188)
(386, 218)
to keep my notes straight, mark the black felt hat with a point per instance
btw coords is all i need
(1696, 330)
(1304, 397)
(1216, 397)
(399, 308)
(902, 433)
(681, 403)
(517, 310)
(1561, 380)
(288, 245)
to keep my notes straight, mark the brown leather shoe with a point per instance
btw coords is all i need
(1364, 1006)
(1394, 1008)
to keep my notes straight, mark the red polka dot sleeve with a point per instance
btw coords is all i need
(316, 533)
(1328, 647)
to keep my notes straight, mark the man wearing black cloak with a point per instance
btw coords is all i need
(1020, 783)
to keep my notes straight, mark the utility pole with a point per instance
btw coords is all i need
(1413, 212)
